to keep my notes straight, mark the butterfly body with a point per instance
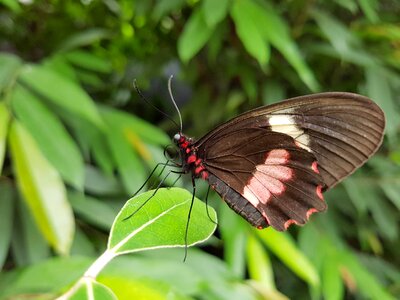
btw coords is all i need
(272, 164)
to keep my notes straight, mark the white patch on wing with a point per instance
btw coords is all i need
(268, 178)
(287, 125)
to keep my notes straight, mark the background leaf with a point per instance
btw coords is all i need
(43, 190)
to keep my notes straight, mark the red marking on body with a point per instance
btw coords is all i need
(288, 223)
(310, 212)
(204, 175)
(314, 166)
(198, 170)
(192, 158)
(277, 157)
(319, 192)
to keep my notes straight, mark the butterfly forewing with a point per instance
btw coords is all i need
(271, 164)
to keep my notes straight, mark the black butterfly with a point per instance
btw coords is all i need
(272, 164)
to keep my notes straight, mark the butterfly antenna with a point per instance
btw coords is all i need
(173, 100)
(155, 107)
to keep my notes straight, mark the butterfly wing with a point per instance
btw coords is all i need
(272, 164)
(342, 130)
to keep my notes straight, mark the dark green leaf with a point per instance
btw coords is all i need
(10, 65)
(62, 92)
(7, 199)
(42, 189)
(249, 31)
(194, 36)
(52, 138)
(215, 11)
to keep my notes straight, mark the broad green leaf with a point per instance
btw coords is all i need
(12, 4)
(93, 211)
(195, 35)
(332, 285)
(42, 188)
(10, 65)
(164, 7)
(61, 66)
(62, 92)
(87, 60)
(367, 284)
(98, 183)
(278, 34)
(275, 30)
(250, 32)
(346, 45)
(378, 88)
(89, 289)
(234, 233)
(282, 246)
(46, 277)
(4, 120)
(28, 246)
(160, 222)
(83, 38)
(369, 7)
(259, 263)
(140, 288)
(7, 199)
(130, 123)
(214, 11)
(129, 165)
(52, 138)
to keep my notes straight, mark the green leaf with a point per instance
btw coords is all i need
(366, 282)
(10, 65)
(259, 263)
(42, 188)
(195, 35)
(53, 139)
(87, 60)
(13, 5)
(234, 233)
(164, 7)
(28, 246)
(98, 183)
(282, 246)
(160, 222)
(62, 92)
(83, 38)
(130, 123)
(92, 210)
(369, 7)
(214, 11)
(7, 199)
(249, 31)
(4, 120)
(378, 88)
(90, 289)
(332, 285)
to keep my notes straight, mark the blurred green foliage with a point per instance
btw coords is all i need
(76, 140)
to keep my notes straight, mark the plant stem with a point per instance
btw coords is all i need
(99, 264)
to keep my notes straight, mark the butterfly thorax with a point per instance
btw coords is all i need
(190, 160)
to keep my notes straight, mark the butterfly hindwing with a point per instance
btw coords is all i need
(268, 170)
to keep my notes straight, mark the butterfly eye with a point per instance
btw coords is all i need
(177, 137)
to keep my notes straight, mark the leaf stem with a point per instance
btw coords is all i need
(99, 264)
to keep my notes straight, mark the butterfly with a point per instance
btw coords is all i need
(272, 164)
